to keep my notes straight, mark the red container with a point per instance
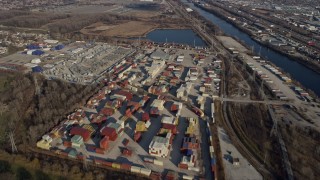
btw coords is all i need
(125, 93)
(145, 116)
(113, 138)
(99, 151)
(213, 168)
(174, 107)
(137, 136)
(108, 131)
(67, 144)
(125, 167)
(183, 166)
(127, 152)
(107, 111)
(84, 133)
(63, 154)
(104, 143)
(172, 127)
(107, 163)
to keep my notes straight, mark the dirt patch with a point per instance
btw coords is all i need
(253, 125)
(303, 146)
(143, 14)
(126, 29)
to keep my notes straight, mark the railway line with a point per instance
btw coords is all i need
(225, 120)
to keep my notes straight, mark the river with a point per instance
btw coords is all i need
(297, 71)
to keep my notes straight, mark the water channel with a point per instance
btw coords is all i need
(305, 76)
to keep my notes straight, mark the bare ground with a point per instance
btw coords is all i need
(252, 125)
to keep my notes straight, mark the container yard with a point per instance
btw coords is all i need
(139, 121)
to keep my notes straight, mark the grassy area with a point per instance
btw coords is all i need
(21, 168)
(5, 80)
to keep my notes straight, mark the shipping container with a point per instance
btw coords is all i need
(67, 144)
(213, 168)
(145, 171)
(137, 136)
(116, 165)
(107, 163)
(196, 169)
(213, 161)
(125, 166)
(100, 151)
(149, 160)
(187, 177)
(157, 162)
(135, 169)
(183, 166)
(126, 152)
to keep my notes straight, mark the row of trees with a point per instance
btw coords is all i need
(30, 114)
(57, 23)
(77, 22)
(12, 13)
(32, 20)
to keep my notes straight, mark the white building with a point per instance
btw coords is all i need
(36, 61)
(160, 146)
(158, 103)
(169, 120)
(180, 58)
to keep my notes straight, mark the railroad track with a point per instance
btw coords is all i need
(225, 120)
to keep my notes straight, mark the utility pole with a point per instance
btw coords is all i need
(12, 142)
(37, 92)
(85, 156)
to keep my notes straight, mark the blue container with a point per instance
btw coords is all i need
(213, 161)
(189, 152)
(37, 69)
(33, 46)
(59, 47)
(37, 52)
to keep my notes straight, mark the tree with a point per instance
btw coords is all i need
(23, 174)
(4, 166)
(41, 175)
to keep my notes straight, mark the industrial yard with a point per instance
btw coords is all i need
(143, 119)
(89, 83)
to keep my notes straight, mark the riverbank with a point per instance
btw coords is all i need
(276, 58)
(312, 66)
